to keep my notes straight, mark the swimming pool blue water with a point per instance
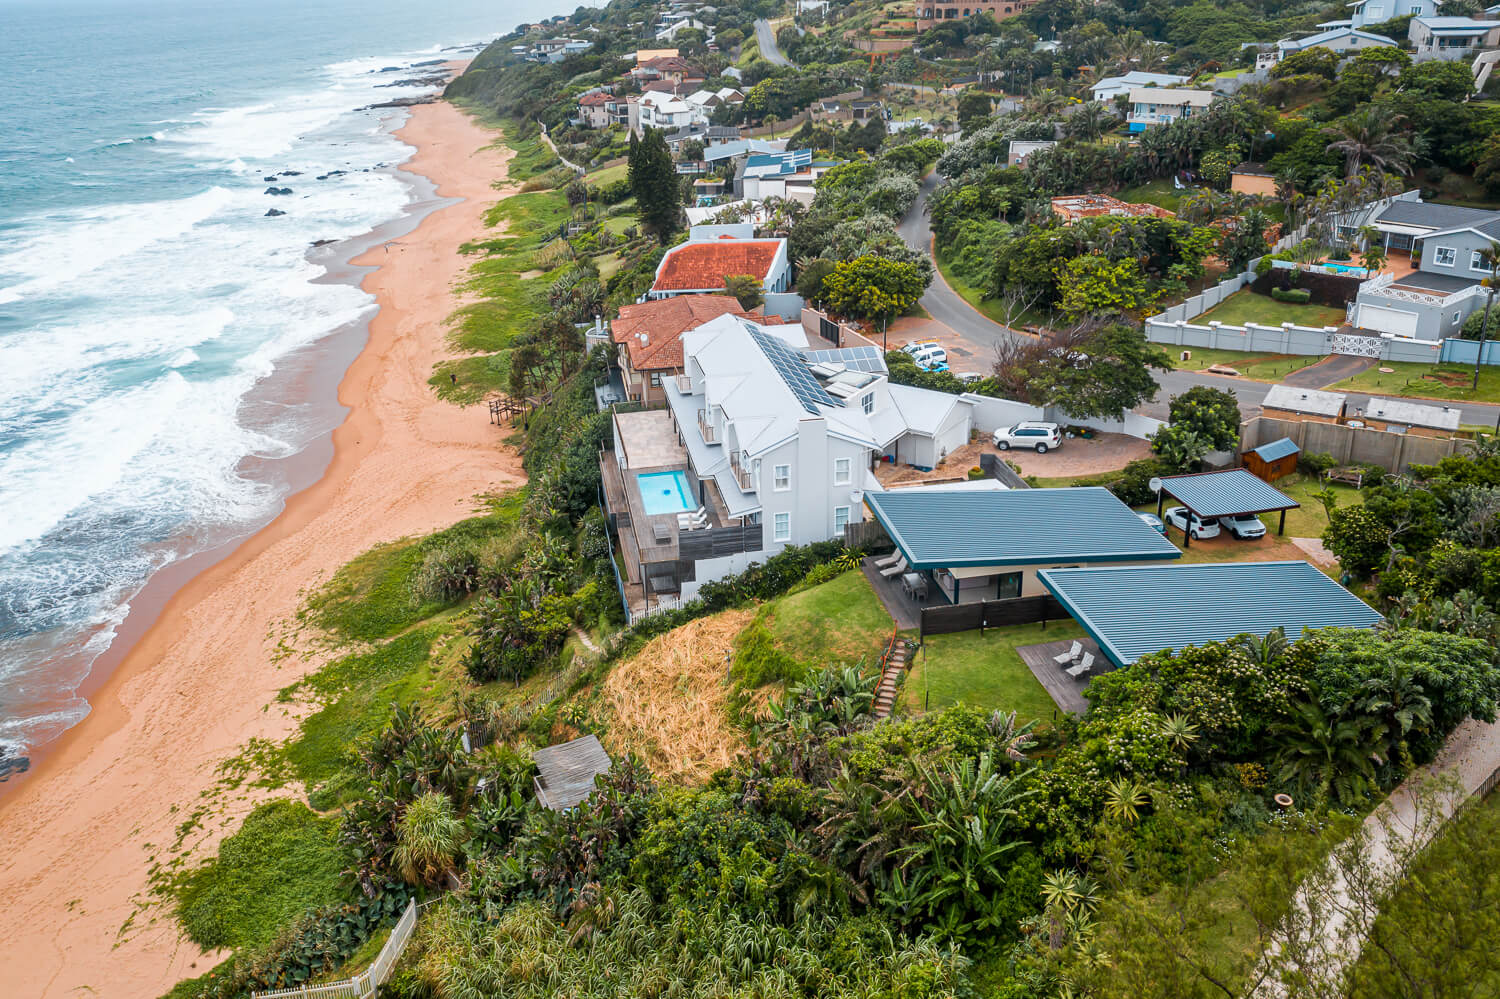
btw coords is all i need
(1345, 269)
(666, 492)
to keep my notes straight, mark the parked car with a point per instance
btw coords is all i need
(1041, 436)
(932, 358)
(917, 346)
(1153, 522)
(970, 377)
(1203, 527)
(1244, 527)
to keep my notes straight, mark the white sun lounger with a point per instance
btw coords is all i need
(897, 569)
(1084, 665)
(1070, 656)
(890, 559)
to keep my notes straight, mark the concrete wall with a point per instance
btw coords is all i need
(991, 414)
(1286, 339)
(1134, 424)
(787, 305)
(1350, 445)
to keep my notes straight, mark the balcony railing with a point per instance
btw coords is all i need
(742, 473)
(706, 428)
(684, 384)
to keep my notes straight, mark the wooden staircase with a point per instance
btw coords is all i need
(893, 662)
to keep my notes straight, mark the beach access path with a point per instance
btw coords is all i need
(82, 830)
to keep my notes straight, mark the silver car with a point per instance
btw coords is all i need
(1244, 526)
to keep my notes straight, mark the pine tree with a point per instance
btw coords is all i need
(653, 181)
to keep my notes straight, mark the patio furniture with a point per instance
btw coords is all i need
(1070, 656)
(1084, 665)
(660, 532)
(896, 570)
(915, 585)
(888, 560)
(696, 520)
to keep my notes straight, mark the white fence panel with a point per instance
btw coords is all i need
(349, 989)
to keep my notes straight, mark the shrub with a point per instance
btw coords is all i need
(757, 661)
(448, 572)
(976, 473)
(1315, 463)
(1294, 296)
(1133, 487)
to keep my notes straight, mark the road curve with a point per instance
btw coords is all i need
(949, 308)
(766, 39)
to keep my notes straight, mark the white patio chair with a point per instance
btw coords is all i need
(1084, 665)
(897, 569)
(1070, 656)
(885, 560)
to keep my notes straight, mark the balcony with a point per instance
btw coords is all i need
(684, 384)
(743, 474)
(706, 428)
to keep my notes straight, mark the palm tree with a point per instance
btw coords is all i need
(1325, 754)
(1400, 701)
(1368, 137)
(1091, 121)
(428, 840)
(1265, 651)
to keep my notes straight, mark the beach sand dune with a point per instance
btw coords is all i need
(80, 833)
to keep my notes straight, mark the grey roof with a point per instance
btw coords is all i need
(1312, 41)
(1133, 611)
(1218, 494)
(1429, 281)
(566, 772)
(1413, 414)
(1457, 25)
(951, 528)
(1276, 450)
(1426, 214)
(1301, 400)
(793, 371)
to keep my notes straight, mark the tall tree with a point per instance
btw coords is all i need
(1370, 138)
(653, 181)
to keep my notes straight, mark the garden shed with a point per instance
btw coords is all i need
(566, 772)
(1272, 460)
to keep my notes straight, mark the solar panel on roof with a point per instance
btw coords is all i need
(858, 358)
(793, 371)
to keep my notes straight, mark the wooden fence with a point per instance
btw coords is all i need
(367, 983)
(867, 536)
(982, 614)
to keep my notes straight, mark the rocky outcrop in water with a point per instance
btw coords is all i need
(274, 213)
(402, 102)
(278, 190)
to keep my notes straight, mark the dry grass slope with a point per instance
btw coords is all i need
(669, 700)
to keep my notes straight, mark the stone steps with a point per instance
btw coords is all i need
(885, 690)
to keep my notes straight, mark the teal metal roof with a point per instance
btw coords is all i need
(1218, 494)
(1276, 450)
(1132, 611)
(944, 529)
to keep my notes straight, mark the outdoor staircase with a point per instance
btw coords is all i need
(893, 662)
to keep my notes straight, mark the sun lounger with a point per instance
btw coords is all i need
(1084, 665)
(896, 570)
(887, 560)
(696, 520)
(1070, 656)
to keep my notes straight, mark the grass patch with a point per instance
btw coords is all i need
(839, 622)
(1431, 381)
(281, 862)
(1247, 306)
(1252, 365)
(471, 380)
(1309, 520)
(983, 670)
(992, 309)
(606, 175)
(1157, 192)
(533, 156)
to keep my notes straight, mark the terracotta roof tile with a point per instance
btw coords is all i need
(696, 266)
(664, 321)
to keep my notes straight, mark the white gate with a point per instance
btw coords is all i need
(1358, 346)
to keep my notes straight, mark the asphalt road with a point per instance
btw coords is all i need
(949, 308)
(766, 39)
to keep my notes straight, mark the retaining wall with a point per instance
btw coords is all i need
(1350, 445)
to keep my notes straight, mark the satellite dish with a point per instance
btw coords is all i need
(1154, 484)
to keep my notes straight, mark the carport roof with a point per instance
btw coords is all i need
(946, 529)
(1219, 494)
(1133, 611)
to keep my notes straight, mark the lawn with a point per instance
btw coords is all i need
(1260, 367)
(608, 175)
(1425, 381)
(1157, 192)
(840, 622)
(1247, 306)
(983, 670)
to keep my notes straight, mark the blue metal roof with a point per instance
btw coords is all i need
(1132, 611)
(1276, 450)
(944, 529)
(1218, 494)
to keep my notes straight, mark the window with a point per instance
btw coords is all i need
(867, 403)
(1476, 261)
(1444, 256)
(656, 379)
(841, 471)
(1008, 585)
(783, 531)
(783, 476)
(840, 519)
(1457, 316)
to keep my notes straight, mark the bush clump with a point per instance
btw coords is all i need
(1292, 296)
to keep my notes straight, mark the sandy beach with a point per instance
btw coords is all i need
(82, 829)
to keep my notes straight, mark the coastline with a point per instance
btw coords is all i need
(107, 798)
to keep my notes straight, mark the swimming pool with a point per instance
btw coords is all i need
(1344, 269)
(666, 492)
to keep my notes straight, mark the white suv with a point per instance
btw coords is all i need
(1041, 436)
(1244, 526)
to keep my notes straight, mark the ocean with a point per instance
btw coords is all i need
(148, 301)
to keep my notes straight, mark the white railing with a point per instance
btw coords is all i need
(367, 983)
(1390, 291)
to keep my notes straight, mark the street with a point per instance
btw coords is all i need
(766, 39)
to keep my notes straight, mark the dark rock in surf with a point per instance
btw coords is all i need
(278, 190)
(274, 213)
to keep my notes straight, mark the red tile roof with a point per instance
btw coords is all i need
(664, 321)
(697, 266)
(594, 99)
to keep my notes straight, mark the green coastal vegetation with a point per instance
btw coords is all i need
(763, 829)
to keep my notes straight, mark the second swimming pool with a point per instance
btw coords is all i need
(666, 492)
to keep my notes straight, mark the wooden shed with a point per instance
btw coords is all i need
(566, 772)
(1270, 462)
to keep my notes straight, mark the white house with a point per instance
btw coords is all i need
(1152, 106)
(1343, 41)
(714, 252)
(1364, 13)
(664, 111)
(1451, 37)
(1111, 87)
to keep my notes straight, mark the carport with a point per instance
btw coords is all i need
(1133, 611)
(1230, 493)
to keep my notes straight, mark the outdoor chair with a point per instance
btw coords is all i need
(885, 560)
(896, 570)
(693, 521)
(1070, 656)
(1084, 665)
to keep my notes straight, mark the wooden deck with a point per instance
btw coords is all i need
(1064, 690)
(902, 609)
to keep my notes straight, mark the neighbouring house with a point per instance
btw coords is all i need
(1288, 402)
(597, 109)
(646, 55)
(565, 772)
(1451, 37)
(1272, 460)
(1133, 611)
(714, 252)
(790, 174)
(931, 13)
(669, 31)
(773, 440)
(711, 100)
(709, 135)
(1447, 243)
(990, 545)
(1084, 206)
(649, 335)
(1339, 40)
(1364, 13)
(866, 109)
(1152, 106)
(665, 112)
(673, 69)
(1020, 149)
(1402, 416)
(1253, 178)
(735, 148)
(1111, 87)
